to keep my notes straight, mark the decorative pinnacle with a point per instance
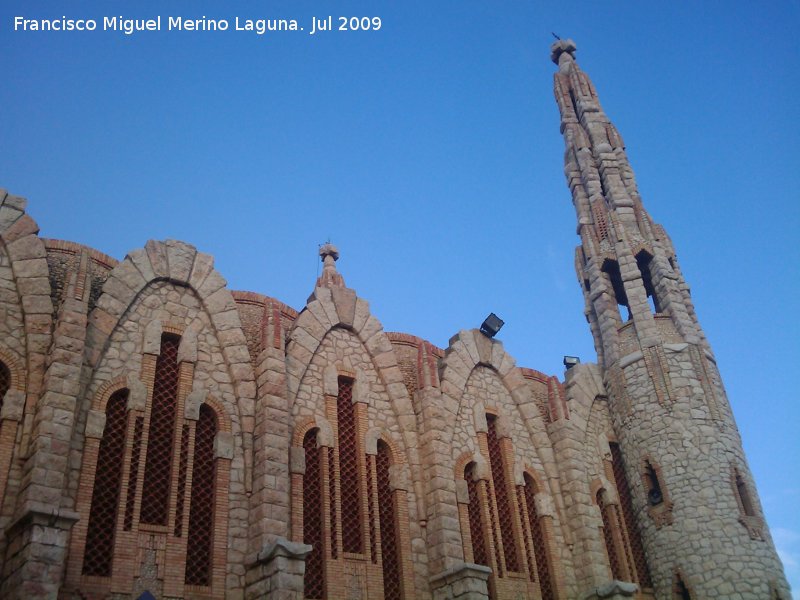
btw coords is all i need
(329, 278)
(328, 250)
(562, 51)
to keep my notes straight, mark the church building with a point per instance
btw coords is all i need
(163, 436)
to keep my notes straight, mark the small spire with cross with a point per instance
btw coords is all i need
(329, 254)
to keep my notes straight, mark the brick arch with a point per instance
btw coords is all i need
(15, 370)
(223, 418)
(104, 393)
(375, 435)
(181, 264)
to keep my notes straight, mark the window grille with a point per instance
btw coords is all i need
(504, 506)
(626, 503)
(352, 539)
(313, 580)
(183, 464)
(158, 464)
(335, 523)
(133, 478)
(371, 500)
(539, 543)
(389, 554)
(201, 509)
(613, 559)
(474, 512)
(99, 554)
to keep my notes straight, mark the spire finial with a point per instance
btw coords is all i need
(562, 51)
(329, 254)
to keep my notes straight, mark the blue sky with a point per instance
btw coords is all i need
(429, 152)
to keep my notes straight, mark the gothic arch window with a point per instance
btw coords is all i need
(505, 508)
(659, 504)
(387, 513)
(99, 554)
(631, 536)
(743, 494)
(158, 464)
(160, 469)
(350, 480)
(347, 500)
(201, 507)
(747, 509)
(539, 554)
(680, 591)
(610, 536)
(477, 528)
(644, 260)
(501, 525)
(314, 580)
(611, 269)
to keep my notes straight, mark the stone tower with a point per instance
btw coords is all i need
(691, 492)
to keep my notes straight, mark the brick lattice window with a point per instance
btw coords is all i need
(5, 382)
(611, 550)
(475, 525)
(183, 465)
(158, 464)
(136, 453)
(352, 539)
(201, 506)
(99, 554)
(313, 580)
(504, 506)
(540, 552)
(335, 523)
(389, 554)
(626, 503)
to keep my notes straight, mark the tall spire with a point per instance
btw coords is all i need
(665, 395)
(626, 262)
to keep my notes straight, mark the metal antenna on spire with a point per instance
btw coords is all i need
(555, 36)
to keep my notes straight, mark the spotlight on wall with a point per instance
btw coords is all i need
(571, 361)
(491, 325)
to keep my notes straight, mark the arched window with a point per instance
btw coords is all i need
(97, 559)
(608, 536)
(201, 511)
(505, 509)
(157, 472)
(679, 589)
(743, 495)
(476, 527)
(352, 538)
(629, 521)
(541, 555)
(387, 511)
(314, 582)
(158, 463)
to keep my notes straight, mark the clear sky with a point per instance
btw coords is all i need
(429, 152)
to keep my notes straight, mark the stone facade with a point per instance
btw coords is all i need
(162, 434)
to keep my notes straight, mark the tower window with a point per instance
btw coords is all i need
(5, 382)
(643, 261)
(476, 528)
(504, 507)
(352, 539)
(654, 494)
(743, 493)
(611, 268)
